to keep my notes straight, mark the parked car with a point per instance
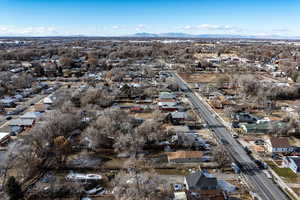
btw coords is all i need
(276, 156)
(235, 125)
(8, 118)
(97, 190)
(261, 164)
(164, 143)
(206, 159)
(224, 141)
(260, 142)
(85, 198)
(83, 177)
(248, 151)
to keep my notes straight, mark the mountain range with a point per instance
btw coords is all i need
(185, 35)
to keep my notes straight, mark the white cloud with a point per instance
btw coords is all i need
(140, 27)
(27, 31)
(188, 27)
(116, 27)
(216, 27)
(212, 27)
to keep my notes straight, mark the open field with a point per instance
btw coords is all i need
(201, 78)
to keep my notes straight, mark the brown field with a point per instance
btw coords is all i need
(201, 78)
(142, 115)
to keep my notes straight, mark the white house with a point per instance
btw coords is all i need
(292, 162)
(279, 145)
(48, 100)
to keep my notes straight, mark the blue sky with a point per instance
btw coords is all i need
(123, 17)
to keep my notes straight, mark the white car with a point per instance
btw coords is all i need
(83, 177)
(85, 198)
(97, 190)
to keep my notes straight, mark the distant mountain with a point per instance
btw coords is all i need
(185, 35)
(145, 35)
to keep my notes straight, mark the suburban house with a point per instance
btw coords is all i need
(203, 186)
(168, 106)
(48, 100)
(243, 117)
(177, 118)
(189, 139)
(18, 125)
(184, 156)
(166, 95)
(279, 145)
(31, 115)
(261, 126)
(8, 102)
(292, 162)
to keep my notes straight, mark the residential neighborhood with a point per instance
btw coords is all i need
(162, 116)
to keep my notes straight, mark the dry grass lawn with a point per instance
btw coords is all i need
(201, 78)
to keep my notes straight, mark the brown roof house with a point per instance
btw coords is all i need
(185, 156)
(279, 145)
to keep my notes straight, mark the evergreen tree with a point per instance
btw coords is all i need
(13, 189)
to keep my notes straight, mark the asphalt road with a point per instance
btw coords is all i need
(265, 188)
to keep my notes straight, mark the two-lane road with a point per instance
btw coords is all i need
(264, 187)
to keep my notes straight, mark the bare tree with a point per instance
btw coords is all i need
(222, 80)
(22, 81)
(144, 186)
(65, 61)
(100, 97)
(221, 157)
(151, 130)
(93, 62)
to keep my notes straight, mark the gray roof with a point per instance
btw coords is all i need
(179, 115)
(7, 100)
(31, 115)
(167, 95)
(181, 129)
(200, 181)
(21, 122)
